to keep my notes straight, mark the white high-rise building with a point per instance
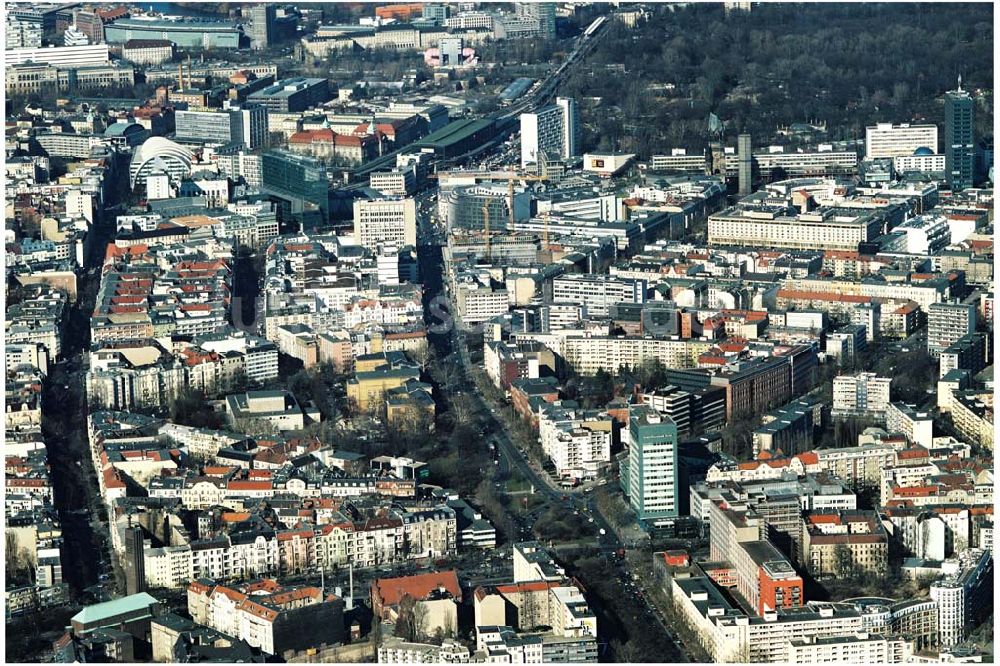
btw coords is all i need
(863, 394)
(946, 323)
(553, 130)
(577, 448)
(888, 140)
(379, 221)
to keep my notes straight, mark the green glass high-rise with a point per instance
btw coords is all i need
(297, 179)
(649, 474)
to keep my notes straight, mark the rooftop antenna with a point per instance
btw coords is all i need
(959, 83)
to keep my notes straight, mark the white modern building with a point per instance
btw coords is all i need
(860, 648)
(578, 448)
(597, 292)
(963, 594)
(679, 160)
(863, 394)
(921, 161)
(916, 425)
(480, 300)
(888, 140)
(63, 57)
(552, 131)
(925, 234)
(159, 154)
(385, 221)
(21, 33)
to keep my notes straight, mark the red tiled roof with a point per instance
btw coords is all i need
(390, 591)
(313, 136)
(250, 485)
(808, 458)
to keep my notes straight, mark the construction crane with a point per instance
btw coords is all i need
(510, 177)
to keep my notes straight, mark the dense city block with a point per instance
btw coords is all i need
(478, 332)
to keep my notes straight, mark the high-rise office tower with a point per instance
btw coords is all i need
(551, 131)
(245, 124)
(544, 13)
(959, 143)
(571, 128)
(650, 477)
(135, 564)
(261, 28)
(381, 221)
(744, 147)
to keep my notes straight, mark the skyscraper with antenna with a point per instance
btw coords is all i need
(959, 138)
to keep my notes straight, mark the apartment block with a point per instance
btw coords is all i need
(577, 443)
(963, 594)
(915, 424)
(845, 543)
(861, 395)
(947, 323)
(766, 580)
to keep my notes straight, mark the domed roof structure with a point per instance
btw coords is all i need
(159, 153)
(923, 150)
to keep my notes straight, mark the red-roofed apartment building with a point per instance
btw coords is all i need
(278, 620)
(437, 594)
(844, 543)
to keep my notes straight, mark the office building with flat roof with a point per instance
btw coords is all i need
(292, 95)
(389, 221)
(649, 470)
(888, 140)
(63, 57)
(832, 228)
(182, 32)
(302, 181)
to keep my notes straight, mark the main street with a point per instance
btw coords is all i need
(87, 561)
(450, 343)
